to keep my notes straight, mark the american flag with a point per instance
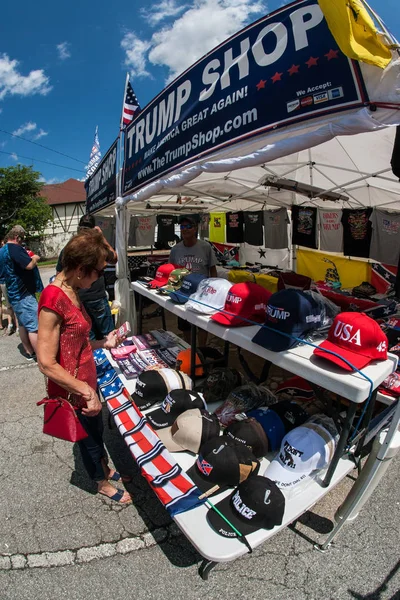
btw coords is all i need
(131, 105)
(95, 156)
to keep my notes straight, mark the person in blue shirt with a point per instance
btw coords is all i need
(18, 272)
(8, 313)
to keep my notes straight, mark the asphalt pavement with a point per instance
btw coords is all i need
(59, 539)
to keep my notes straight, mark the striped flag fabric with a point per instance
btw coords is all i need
(95, 156)
(131, 105)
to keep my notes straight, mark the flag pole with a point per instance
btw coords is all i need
(120, 159)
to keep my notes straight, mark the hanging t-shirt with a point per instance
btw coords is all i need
(275, 228)
(217, 227)
(357, 230)
(234, 227)
(204, 226)
(385, 241)
(141, 230)
(166, 228)
(304, 226)
(331, 230)
(253, 228)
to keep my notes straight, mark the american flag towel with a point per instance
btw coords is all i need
(173, 487)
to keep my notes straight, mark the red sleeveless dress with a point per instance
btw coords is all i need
(74, 346)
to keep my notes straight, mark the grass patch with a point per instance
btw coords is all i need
(47, 263)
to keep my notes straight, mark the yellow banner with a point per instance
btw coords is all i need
(332, 268)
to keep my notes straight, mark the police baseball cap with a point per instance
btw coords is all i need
(189, 285)
(224, 463)
(174, 404)
(153, 386)
(290, 314)
(257, 503)
(190, 431)
(210, 296)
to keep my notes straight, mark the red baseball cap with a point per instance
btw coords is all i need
(162, 274)
(357, 338)
(248, 300)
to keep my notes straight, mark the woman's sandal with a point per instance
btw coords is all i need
(118, 477)
(117, 497)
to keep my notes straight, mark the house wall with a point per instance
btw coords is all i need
(65, 223)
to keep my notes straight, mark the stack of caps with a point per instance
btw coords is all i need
(162, 274)
(245, 302)
(210, 296)
(190, 431)
(304, 451)
(190, 283)
(175, 280)
(174, 404)
(154, 386)
(264, 428)
(242, 399)
(222, 463)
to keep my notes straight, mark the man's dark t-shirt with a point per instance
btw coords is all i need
(24, 281)
(96, 291)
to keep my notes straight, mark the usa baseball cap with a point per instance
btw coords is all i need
(356, 338)
(190, 283)
(153, 386)
(224, 463)
(290, 312)
(174, 404)
(304, 450)
(210, 296)
(162, 274)
(190, 431)
(257, 503)
(244, 300)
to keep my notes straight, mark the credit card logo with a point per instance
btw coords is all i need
(294, 105)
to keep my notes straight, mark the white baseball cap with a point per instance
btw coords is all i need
(210, 296)
(305, 449)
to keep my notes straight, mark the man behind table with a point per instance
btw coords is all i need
(197, 256)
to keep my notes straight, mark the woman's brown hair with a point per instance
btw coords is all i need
(86, 250)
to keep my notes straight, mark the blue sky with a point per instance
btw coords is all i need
(63, 66)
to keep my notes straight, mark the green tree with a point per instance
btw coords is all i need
(20, 202)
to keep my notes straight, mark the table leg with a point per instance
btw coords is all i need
(226, 354)
(164, 325)
(140, 314)
(205, 568)
(351, 411)
(365, 424)
(193, 341)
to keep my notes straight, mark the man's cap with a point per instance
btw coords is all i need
(190, 431)
(291, 312)
(189, 218)
(210, 296)
(189, 285)
(241, 399)
(257, 503)
(303, 450)
(174, 280)
(162, 274)
(220, 382)
(244, 301)
(153, 386)
(250, 433)
(222, 462)
(356, 338)
(174, 404)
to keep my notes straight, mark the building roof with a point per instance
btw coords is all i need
(68, 192)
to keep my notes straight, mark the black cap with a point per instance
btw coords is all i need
(291, 414)
(175, 403)
(222, 462)
(189, 218)
(153, 386)
(250, 433)
(257, 503)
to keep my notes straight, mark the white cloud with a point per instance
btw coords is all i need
(50, 181)
(14, 156)
(63, 51)
(163, 10)
(14, 83)
(186, 39)
(25, 128)
(41, 133)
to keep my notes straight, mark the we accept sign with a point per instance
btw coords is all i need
(283, 68)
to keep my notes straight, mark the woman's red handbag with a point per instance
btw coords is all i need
(61, 420)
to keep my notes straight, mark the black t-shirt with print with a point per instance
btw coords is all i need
(357, 232)
(166, 228)
(234, 228)
(304, 226)
(253, 228)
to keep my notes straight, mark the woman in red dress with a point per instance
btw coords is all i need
(65, 353)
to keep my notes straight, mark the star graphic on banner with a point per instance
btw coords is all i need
(312, 61)
(387, 276)
(332, 54)
(276, 77)
(293, 69)
(291, 392)
(261, 252)
(261, 84)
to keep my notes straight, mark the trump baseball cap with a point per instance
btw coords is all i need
(244, 301)
(174, 404)
(292, 313)
(356, 338)
(162, 275)
(257, 503)
(153, 386)
(210, 296)
(190, 431)
(189, 285)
